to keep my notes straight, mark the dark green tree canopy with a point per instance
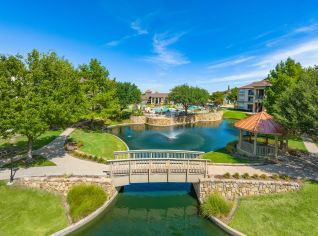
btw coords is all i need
(285, 75)
(232, 95)
(187, 95)
(217, 97)
(127, 93)
(297, 107)
(100, 91)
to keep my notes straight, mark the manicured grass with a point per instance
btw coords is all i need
(36, 162)
(30, 211)
(293, 213)
(41, 141)
(233, 114)
(215, 204)
(84, 199)
(97, 143)
(221, 156)
(293, 142)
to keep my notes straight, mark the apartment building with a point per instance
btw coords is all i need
(154, 98)
(251, 96)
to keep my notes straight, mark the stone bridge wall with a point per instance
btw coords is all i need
(62, 184)
(232, 189)
(189, 119)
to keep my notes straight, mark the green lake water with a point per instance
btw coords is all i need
(152, 209)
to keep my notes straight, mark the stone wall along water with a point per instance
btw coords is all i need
(62, 184)
(232, 188)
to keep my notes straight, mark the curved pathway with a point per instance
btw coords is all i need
(302, 167)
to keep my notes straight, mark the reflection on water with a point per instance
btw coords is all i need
(153, 209)
(202, 136)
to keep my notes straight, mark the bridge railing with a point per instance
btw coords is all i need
(151, 166)
(157, 153)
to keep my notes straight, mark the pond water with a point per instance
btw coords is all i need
(196, 137)
(152, 209)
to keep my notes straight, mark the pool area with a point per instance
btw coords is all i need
(152, 209)
(196, 137)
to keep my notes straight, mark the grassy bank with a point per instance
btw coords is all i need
(22, 141)
(98, 143)
(295, 143)
(30, 211)
(293, 213)
(84, 199)
(234, 114)
(36, 162)
(222, 156)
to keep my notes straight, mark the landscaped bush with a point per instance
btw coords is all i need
(137, 113)
(227, 175)
(236, 175)
(83, 199)
(275, 177)
(245, 176)
(255, 176)
(263, 176)
(284, 177)
(215, 204)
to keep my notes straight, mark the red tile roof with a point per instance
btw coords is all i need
(259, 123)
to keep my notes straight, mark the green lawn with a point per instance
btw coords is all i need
(30, 211)
(36, 162)
(233, 114)
(293, 142)
(279, 214)
(221, 156)
(97, 143)
(41, 141)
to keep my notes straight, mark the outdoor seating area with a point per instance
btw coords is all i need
(251, 128)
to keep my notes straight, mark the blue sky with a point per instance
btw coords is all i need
(160, 44)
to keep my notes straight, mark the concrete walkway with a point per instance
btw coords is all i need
(300, 167)
(310, 145)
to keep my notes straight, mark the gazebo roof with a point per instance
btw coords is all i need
(261, 122)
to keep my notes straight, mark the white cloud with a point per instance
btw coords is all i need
(306, 29)
(135, 25)
(166, 57)
(230, 62)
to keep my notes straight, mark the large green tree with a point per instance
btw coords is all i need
(127, 93)
(100, 91)
(217, 97)
(232, 95)
(44, 91)
(297, 107)
(187, 95)
(285, 75)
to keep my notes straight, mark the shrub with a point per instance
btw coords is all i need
(215, 204)
(80, 143)
(245, 176)
(231, 147)
(275, 176)
(83, 199)
(284, 177)
(227, 175)
(137, 113)
(255, 176)
(236, 175)
(263, 176)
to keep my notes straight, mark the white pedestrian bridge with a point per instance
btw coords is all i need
(152, 166)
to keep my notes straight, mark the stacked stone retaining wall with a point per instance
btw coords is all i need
(189, 119)
(62, 184)
(232, 189)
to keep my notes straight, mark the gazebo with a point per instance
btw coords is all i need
(259, 123)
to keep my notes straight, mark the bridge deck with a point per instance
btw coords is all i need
(145, 170)
(157, 153)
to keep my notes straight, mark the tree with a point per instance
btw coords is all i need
(45, 91)
(100, 91)
(297, 108)
(187, 96)
(127, 93)
(232, 95)
(285, 75)
(217, 97)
